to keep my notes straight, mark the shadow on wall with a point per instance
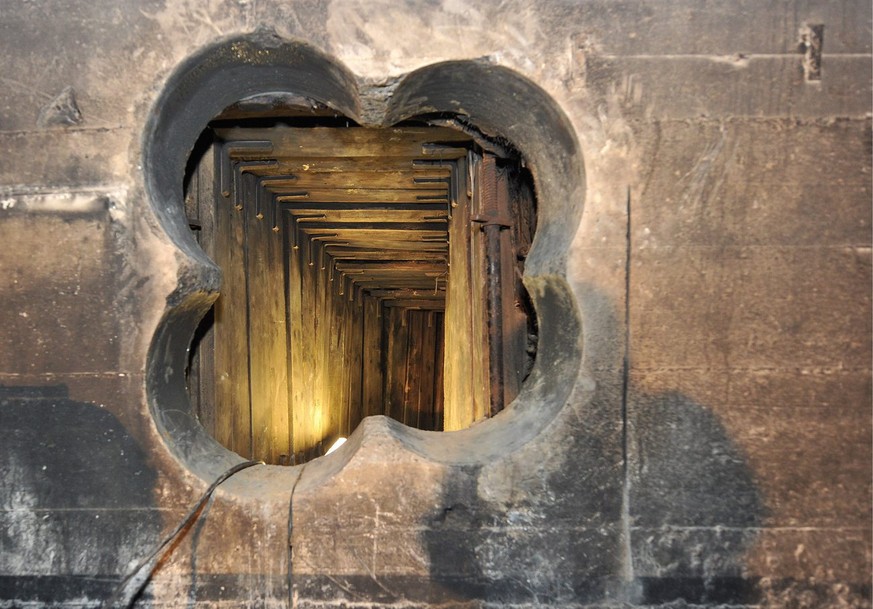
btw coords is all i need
(75, 501)
(693, 504)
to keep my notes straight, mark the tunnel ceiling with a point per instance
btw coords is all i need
(369, 206)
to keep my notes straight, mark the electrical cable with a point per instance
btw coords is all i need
(126, 593)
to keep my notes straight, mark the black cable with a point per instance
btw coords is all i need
(126, 593)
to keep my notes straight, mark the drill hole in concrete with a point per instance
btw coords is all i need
(366, 271)
(490, 104)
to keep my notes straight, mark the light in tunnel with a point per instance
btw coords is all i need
(339, 442)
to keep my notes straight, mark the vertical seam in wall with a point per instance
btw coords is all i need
(290, 538)
(628, 573)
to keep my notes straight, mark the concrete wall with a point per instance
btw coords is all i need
(711, 444)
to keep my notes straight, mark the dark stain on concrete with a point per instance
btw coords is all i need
(81, 500)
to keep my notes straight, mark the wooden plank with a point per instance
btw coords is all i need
(356, 361)
(277, 345)
(353, 142)
(343, 401)
(398, 345)
(322, 335)
(372, 360)
(419, 289)
(458, 379)
(348, 252)
(423, 278)
(434, 230)
(419, 282)
(297, 345)
(267, 339)
(257, 275)
(408, 293)
(384, 249)
(368, 214)
(400, 179)
(301, 206)
(426, 366)
(401, 249)
(339, 363)
(307, 421)
(422, 304)
(359, 195)
(336, 363)
(282, 222)
(439, 378)
(414, 377)
(232, 400)
(389, 234)
(387, 359)
(342, 164)
(388, 266)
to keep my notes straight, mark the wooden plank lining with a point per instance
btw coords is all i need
(353, 142)
(350, 266)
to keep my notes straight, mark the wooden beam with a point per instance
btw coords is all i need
(359, 194)
(366, 214)
(353, 141)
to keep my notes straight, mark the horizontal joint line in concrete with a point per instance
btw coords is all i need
(53, 375)
(48, 510)
(800, 370)
(672, 527)
(796, 121)
(740, 246)
(733, 57)
(24, 190)
(65, 130)
(536, 526)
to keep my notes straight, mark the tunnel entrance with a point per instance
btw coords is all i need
(365, 272)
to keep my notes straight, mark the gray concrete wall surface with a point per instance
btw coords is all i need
(698, 432)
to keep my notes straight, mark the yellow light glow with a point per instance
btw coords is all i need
(339, 442)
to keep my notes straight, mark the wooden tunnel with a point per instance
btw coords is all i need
(365, 272)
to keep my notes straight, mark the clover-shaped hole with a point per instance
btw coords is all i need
(341, 233)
